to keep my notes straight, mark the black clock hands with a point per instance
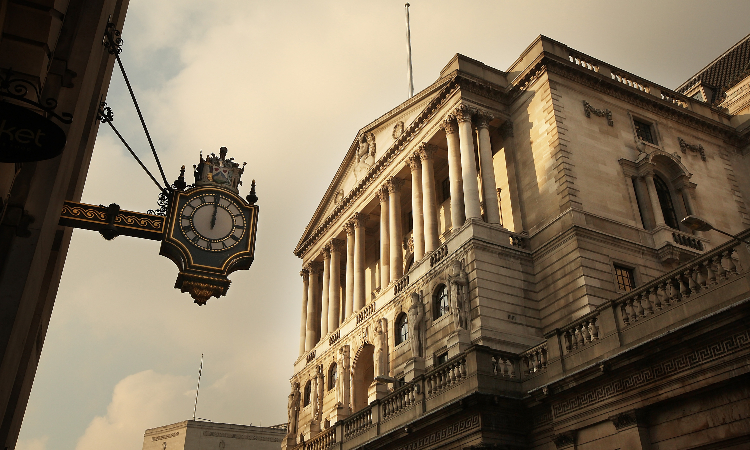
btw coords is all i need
(216, 206)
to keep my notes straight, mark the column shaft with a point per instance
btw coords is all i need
(303, 326)
(359, 261)
(313, 300)
(396, 229)
(334, 288)
(349, 271)
(431, 238)
(454, 174)
(325, 297)
(655, 205)
(468, 164)
(487, 168)
(385, 263)
(417, 210)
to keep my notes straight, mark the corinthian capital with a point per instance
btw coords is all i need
(336, 245)
(463, 113)
(394, 184)
(315, 267)
(449, 125)
(304, 273)
(483, 119)
(383, 193)
(426, 151)
(326, 252)
(414, 163)
(358, 219)
(349, 228)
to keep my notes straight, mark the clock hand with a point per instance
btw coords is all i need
(213, 216)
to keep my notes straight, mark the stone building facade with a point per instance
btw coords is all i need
(200, 435)
(499, 262)
(51, 55)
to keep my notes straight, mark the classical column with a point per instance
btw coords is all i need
(431, 239)
(349, 270)
(468, 163)
(487, 169)
(384, 242)
(358, 220)
(454, 173)
(324, 298)
(314, 394)
(655, 205)
(334, 285)
(416, 206)
(313, 300)
(396, 229)
(303, 326)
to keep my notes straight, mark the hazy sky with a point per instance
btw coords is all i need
(285, 86)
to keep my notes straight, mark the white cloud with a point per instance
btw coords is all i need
(33, 444)
(140, 401)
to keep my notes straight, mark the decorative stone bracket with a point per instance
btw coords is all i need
(588, 109)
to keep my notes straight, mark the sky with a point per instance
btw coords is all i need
(285, 86)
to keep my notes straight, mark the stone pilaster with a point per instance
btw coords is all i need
(349, 270)
(358, 222)
(385, 251)
(334, 285)
(472, 207)
(303, 326)
(326, 253)
(313, 312)
(487, 169)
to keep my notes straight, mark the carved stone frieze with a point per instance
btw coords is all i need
(588, 109)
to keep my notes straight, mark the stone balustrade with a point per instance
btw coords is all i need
(400, 400)
(365, 312)
(358, 423)
(687, 240)
(503, 366)
(630, 81)
(320, 442)
(401, 284)
(534, 360)
(585, 63)
(445, 376)
(438, 255)
(581, 333)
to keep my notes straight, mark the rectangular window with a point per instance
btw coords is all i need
(446, 188)
(441, 359)
(644, 131)
(625, 278)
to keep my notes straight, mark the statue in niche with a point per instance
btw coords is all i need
(293, 409)
(416, 327)
(458, 293)
(342, 366)
(380, 356)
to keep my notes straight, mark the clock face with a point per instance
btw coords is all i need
(212, 222)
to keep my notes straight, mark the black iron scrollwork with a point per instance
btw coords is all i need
(19, 89)
(112, 40)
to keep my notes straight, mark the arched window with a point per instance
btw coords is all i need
(665, 201)
(402, 329)
(441, 305)
(332, 376)
(306, 397)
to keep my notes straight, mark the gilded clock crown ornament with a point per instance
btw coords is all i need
(219, 171)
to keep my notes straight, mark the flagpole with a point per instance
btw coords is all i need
(197, 389)
(408, 54)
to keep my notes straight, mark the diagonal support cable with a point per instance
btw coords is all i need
(113, 43)
(105, 115)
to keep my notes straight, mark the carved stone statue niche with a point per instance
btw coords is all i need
(293, 409)
(458, 293)
(380, 355)
(416, 325)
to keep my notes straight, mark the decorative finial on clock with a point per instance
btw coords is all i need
(252, 197)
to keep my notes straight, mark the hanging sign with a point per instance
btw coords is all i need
(26, 136)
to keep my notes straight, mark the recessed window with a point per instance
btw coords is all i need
(441, 359)
(332, 376)
(441, 305)
(446, 188)
(644, 131)
(306, 396)
(665, 201)
(402, 329)
(625, 278)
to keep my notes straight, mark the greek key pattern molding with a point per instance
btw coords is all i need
(446, 433)
(165, 436)
(242, 436)
(667, 368)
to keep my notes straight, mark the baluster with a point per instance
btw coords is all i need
(684, 291)
(543, 354)
(623, 313)
(653, 298)
(575, 335)
(593, 329)
(638, 306)
(721, 273)
(728, 263)
(674, 291)
(463, 368)
(699, 278)
(648, 307)
(512, 367)
(662, 295)
(710, 275)
(585, 332)
(494, 365)
(694, 288)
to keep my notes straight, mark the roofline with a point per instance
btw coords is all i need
(689, 80)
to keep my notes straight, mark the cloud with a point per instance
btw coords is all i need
(33, 444)
(140, 401)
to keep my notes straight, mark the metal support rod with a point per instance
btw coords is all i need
(136, 157)
(197, 389)
(143, 122)
(408, 54)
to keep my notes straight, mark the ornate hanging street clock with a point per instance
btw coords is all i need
(210, 230)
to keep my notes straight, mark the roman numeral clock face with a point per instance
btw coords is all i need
(212, 222)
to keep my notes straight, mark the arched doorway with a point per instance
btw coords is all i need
(364, 374)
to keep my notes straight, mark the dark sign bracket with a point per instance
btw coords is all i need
(19, 88)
